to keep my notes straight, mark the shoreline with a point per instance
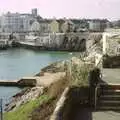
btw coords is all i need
(32, 92)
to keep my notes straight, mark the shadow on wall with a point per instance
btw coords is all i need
(73, 44)
(80, 113)
(79, 100)
(76, 107)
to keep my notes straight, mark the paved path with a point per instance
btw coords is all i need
(111, 75)
(88, 114)
(106, 115)
(49, 78)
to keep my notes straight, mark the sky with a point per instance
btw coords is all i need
(65, 8)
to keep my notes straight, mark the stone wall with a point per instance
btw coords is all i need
(74, 98)
(111, 62)
(69, 98)
(111, 44)
(81, 41)
(75, 41)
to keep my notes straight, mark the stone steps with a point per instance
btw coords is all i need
(114, 108)
(109, 98)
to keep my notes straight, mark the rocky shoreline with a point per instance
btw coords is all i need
(31, 93)
(23, 97)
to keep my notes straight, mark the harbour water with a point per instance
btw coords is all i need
(18, 62)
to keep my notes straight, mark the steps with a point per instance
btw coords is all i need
(108, 97)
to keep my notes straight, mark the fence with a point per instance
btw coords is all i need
(1, 109)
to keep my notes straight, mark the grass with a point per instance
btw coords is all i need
(24, 111)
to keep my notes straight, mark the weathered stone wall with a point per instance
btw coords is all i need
(111, 62)
(75, 41)
(69, 98)
(111, 44)
(75, 96)
(82, 41)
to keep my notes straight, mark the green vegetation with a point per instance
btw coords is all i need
(24, 111)
(79, 75)
(41, 108)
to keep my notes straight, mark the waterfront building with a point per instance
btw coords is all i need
(80, 24)
(94, 26)
(68, 26)
(33, 40)
(11, 22)
(45, 25)
(97, 25)
(34, 12)
(35, 27)
(56, 26)
(16, 22)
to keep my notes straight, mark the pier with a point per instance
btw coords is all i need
(8, 82)
(23, 82)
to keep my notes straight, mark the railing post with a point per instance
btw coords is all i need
(1, 109)
(95, 104)
(96, 96)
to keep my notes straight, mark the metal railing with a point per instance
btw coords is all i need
(96, 96)
(4, 101)
(1, 109)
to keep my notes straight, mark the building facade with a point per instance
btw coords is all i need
(111, 44)
(68, 26)
(98, 25)
(16, 22)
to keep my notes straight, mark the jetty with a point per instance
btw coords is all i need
(8, 82)
(25, 81)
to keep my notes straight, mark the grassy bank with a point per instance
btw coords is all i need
(43, 107)
(40, 108)
(24, 111)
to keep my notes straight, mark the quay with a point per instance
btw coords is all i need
(8, 82)
(23, 82)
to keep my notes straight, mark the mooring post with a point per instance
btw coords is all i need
(1, 109)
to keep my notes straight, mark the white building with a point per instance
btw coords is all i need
(94, 25)
(16, 22)
(10, 22)
(35, 26)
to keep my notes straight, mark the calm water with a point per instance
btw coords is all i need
(16, 63)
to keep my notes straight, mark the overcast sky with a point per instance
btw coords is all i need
(65, 8)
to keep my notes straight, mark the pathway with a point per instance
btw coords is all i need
(110, 76)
